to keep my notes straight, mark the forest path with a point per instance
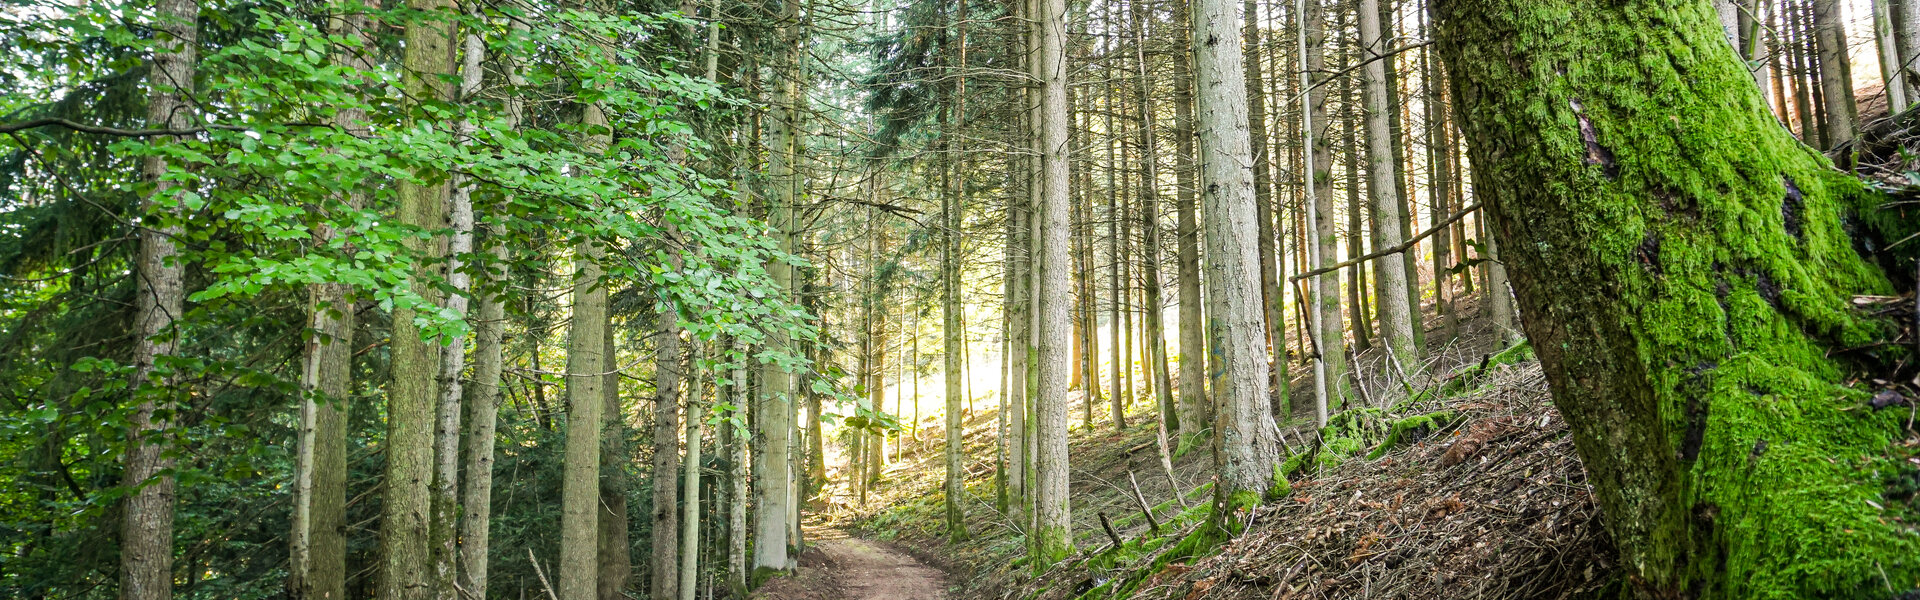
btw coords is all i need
(838, 566)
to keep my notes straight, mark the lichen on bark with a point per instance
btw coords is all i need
(1685, 269)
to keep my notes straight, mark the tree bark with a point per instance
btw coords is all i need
(1246, 443)
(483, 408)
(1390, 273)
(453, 356)
(1271, 296)
(616, 548)
(317, 567)
(690, 512)
(1052, 536)
(146, 531)
(579, 567)
(1836, 73)
(951, 328)
(405, 527)
(1329, 346)
(1195, 412)
(773, 479)
(1156, 341)
(1685, 271)
(1906, 37)
(580, 561)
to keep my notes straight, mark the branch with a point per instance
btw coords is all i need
(1402, 247)
(85, 128)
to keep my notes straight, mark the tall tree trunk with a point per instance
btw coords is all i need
(773, 481)
(1836, 72)
(1906, 38)
(1274, 331)
(317, 567)
(1109, 97)
(146, 531)
(580, 561)
(1019, 302)
(1686, 271)
(736, 436)
(1052, 534)
(690, 512)
(616, 548)
(1156, 343)
(1440, 193)
(951, 328)
(406, 502)
(1195, 412)
(453, 355)
(483, 408)
(581, 565)
(1359, 302)
(1383, 190)
(1894, 85)
(1246, 444)
(1329, 346)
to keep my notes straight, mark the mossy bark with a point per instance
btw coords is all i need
(1684, 269)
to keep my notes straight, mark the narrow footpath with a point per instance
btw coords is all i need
(841, 567)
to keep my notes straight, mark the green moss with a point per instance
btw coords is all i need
(1281, 485)
(1413, 427)
(1350, 432)
(1050, 546)
(761, 575)
(1686, 268)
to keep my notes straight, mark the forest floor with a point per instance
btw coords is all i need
(837, 566)
(1488, 501)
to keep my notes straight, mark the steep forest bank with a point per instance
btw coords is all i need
(1472, 491)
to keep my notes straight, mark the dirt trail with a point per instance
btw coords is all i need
(841, 567)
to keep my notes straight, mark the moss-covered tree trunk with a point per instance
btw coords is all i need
(1684, 268)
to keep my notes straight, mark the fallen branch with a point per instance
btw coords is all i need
(1401, 247)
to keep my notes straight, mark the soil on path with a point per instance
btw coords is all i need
(841, 567)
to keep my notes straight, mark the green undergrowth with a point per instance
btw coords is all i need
(1201, 538)
(1470, 379)
(1195, 497)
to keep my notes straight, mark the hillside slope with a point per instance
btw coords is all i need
(1471, 491)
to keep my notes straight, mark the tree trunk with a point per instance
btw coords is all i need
(1246, 444)
(690, 512)
(1019, 309)
(1390, 273)
(580, 566)
(1439, 192)
(1329, 346)
(317, 567)
(453, 356)
(1052, 537)
(1685, 271)
(1274, 331)
(1836, 73)
(1156, 338)
(1359, 302)
(1884, 47)
(1906, 38)
(406, 503)
(616, 548)
(773, 480)
(1195, 413)
(483, 408)
(951, 328)
(146, 533)
(736, 439)
(663, 558)
(580, 561)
